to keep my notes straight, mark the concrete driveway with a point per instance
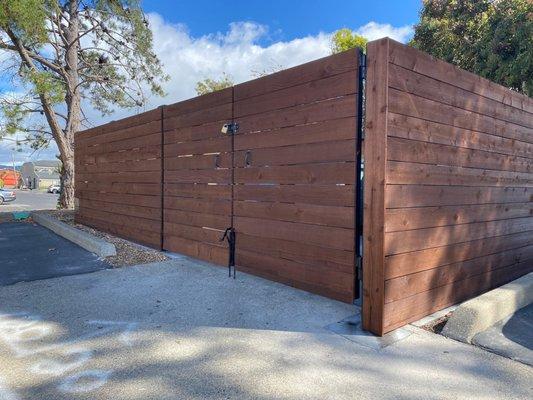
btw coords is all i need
(183, 330)
(30, 252)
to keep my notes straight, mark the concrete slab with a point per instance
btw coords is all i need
(31, 252)
(183, 330)
(351, 328)
(512, 337)
(480, 313)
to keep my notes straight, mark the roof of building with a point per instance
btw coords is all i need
(47, 174)
(46, 163)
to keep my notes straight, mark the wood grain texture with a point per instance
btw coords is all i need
(197, 176)
(458, 186)
(375, 155)
(118, 177)
(294, 175)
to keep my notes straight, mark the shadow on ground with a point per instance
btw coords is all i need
(183, 330)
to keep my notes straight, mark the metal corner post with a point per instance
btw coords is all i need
(361, 76)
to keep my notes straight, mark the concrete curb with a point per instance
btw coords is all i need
(83, 239)
(476, 315)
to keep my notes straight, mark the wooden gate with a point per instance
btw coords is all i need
(285, 180)
(295, 176)
(198, 176)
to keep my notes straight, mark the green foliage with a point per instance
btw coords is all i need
(492, 38)
(27, 18)
(46, 84)
(212, 85)
(345, 39)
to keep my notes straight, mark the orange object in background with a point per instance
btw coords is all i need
(10, 178)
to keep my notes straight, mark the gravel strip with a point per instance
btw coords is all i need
(128, 253)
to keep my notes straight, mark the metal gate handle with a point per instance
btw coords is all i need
(229, 234)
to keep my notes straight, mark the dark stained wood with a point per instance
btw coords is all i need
(342, 151)
(425, 64)
(433, 132)
(197, 176)
(321, 89)
(375, 154)
(118, 177)
(319, 280)
(402, 196)
(431, 110)
(433, 278)
(412, 308)
(399, 172)
(319, 132)
(341, 260)
(430, 153)
(418, 239)
(341, 107)
(306, 213)
(324, 173)
(458, 186)
(421, 85)
(326, 236)
(402, 219)
(312, 71)
(421, 260)
(327, 195)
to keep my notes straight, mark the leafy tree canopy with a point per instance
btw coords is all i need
(491, 38)
(63, 55)
(345, 39)
(209, 85)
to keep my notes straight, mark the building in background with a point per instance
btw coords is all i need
(40, 174)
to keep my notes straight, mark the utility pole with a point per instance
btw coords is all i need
(14, 170)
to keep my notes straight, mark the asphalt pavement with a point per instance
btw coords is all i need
(28, 200)
(512, 337)
(31, 252)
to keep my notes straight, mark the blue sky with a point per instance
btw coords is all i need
(199, 39)
(286, 19)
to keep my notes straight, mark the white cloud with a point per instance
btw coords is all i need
(374, 30)
(237, 52)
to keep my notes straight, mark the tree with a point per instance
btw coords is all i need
(345, 39)
(491, 38)
(63, 56)
(209, 85)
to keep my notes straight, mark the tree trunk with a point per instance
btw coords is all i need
(73, 103)
(66, 198)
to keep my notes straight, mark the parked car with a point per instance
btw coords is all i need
(7, 196)
(55, 189)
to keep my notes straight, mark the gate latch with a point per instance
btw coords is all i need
(229, 234)
(230, 128)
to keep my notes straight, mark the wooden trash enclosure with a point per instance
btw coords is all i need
(448, 186)
(447, 180)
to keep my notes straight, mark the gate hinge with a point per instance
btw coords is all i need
(230, 128)
(362, 71)
(362, 66)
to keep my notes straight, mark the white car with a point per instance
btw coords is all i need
(55, 189)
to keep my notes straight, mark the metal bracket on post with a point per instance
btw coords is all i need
(230, 128)
(229, 234)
